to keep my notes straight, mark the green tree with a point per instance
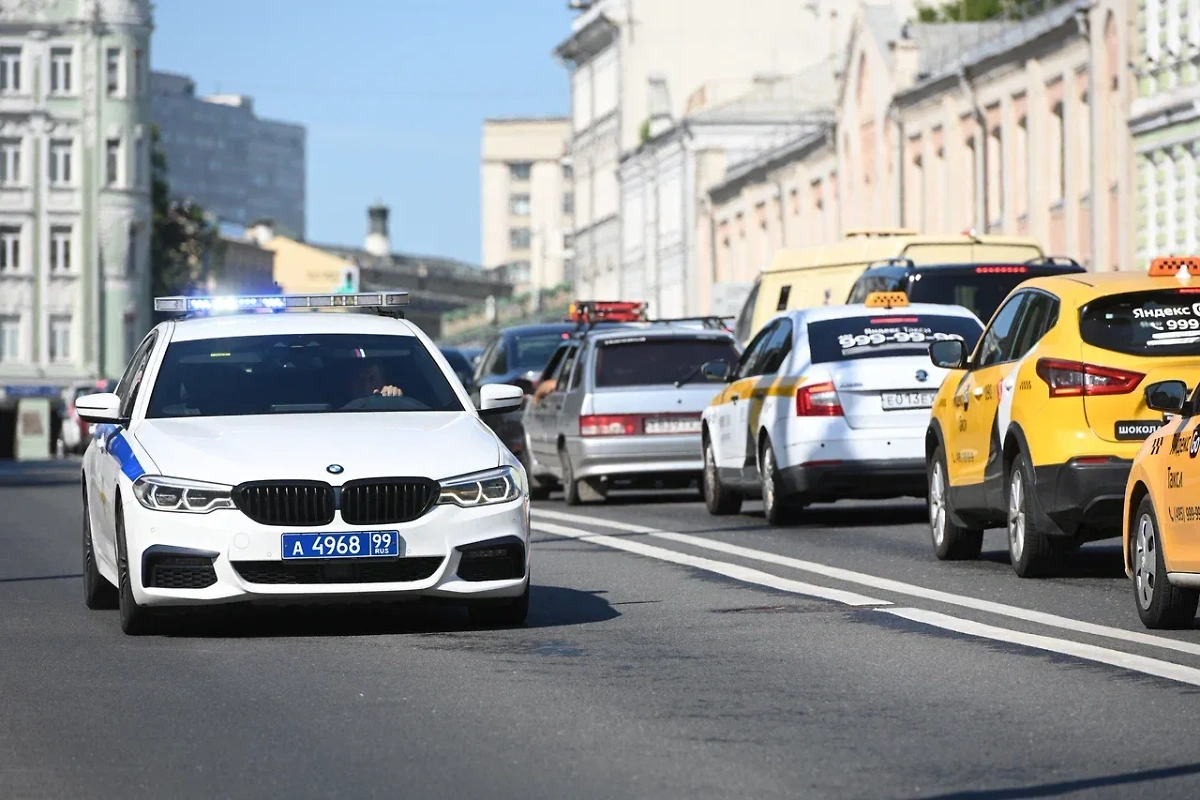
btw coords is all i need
(182, 233)
(980, 10)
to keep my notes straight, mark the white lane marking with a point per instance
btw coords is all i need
(1088, 652)
(889, 585)
(735, 571)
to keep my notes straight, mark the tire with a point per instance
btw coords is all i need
(1029, 547)
(775, 508)
(135, 620)
(719, 500)
(951, 542)
(538, 490)
(98, 593)
(570, 486)
(1159, 604)
(509, 615)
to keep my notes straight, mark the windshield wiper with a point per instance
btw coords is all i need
(691, 374)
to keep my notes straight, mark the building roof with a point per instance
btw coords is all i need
(755, 168)
(790, 98)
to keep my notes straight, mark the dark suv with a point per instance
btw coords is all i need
(977, 287)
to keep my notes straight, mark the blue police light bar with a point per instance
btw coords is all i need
(279, 302)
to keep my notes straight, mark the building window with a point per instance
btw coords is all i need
(10, 162)
(10, 249)
(520, 170)
(519, 238)
(519, 272)
(60, 162)
(10, 338)
(139, 161)
(1058, 149)
(60, 249)
(568, 172)
(518, 205)
(112, 162)
(61, 59)
(1021, 169)
(60, 339)
(995, 176)
(112, 71)
(10, 70)
(138, 65)
(131, 251)
(568, 206)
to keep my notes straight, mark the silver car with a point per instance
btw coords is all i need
(621, 408)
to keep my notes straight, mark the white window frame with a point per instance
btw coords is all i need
(112, 162)
(10, 339)
(11, 251)
(12, 57)
(117, 68)
(60, 328)
(60, 164)
(61, 242)
(137, 74)
(62, 70)
(527, 203)
(10, 162)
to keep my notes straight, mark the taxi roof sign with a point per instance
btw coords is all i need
(232, 304)
(595, 311)
(886, 300)
(1181, 267)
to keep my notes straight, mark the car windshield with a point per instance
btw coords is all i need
(299, 374)
(978, 291)
(1163, 322)
(534, 350)
(848, 338)
(651, 361)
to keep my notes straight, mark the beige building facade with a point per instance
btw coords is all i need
(527, 201)
(1007, 127)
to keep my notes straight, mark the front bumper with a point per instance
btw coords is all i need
(246, 559)
(626, 456)
(1084, 497)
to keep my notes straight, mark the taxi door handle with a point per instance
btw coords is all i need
(977, 391)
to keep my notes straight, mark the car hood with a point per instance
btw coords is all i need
(231, 450)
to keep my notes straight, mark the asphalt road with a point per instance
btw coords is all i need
(835, 658)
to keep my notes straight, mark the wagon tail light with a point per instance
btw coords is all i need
(817, 400)
(1075, 379)
(610, 425)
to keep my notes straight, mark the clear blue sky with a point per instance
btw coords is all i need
(393, 93)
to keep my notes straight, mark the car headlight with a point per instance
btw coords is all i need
(179, 494)
(498, 485)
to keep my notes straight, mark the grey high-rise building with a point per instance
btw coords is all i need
(240, 168)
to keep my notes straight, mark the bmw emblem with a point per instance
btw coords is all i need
(922, 375)
(334, 469)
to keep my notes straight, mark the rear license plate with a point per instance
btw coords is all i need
(894, 401)
(672, 425)
(360, 544)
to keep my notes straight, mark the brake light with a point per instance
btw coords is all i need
(1074, 379)
(817, 400)
(895, 321)
(991, 270)
(609, 425)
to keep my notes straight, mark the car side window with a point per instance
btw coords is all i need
(753, 356)
(1040, 315)
(777, 348)
(565, 369)
(500, 357)
(577, 373)
(996, 346)
(553, 364)
(485, 360)
(131, 382)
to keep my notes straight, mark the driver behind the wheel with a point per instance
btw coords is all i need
(366, 379)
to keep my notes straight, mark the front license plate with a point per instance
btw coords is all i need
(669, 425)
(360, 544)
(894, 401)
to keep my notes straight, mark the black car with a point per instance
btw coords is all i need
(461, 364)
(977, 287)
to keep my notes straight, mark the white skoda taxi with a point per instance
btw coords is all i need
(828, 403)
(255, 452)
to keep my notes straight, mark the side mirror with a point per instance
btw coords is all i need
(100, 408)
(1170, 397)
(717, 371)
(496, 398)
(949, 354)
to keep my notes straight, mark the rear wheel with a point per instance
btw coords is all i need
(577, 491)
(98, 593)
(135, 620)
(1028, 545)
(1159, 604)
(509, 615)
(718, 499)
(775, 506)
(951, 542)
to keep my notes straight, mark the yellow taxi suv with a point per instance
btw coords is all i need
(1162, 519)
(1037, 429)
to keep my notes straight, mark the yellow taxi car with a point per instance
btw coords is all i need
(1037, 429)
(1162, 550)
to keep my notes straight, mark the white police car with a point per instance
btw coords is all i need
(298, 456)
(828, 403)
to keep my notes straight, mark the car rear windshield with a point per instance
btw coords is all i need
(849, 338)
(1162, 322)
(980, 288)
(532, 351)
(653, 361)
(324, 373)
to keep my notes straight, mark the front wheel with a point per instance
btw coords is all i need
(719, 500)
(1029, 547)
(136, 620)
(951, 542)
(1159, 604)
(98, 593)
(509, 615)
